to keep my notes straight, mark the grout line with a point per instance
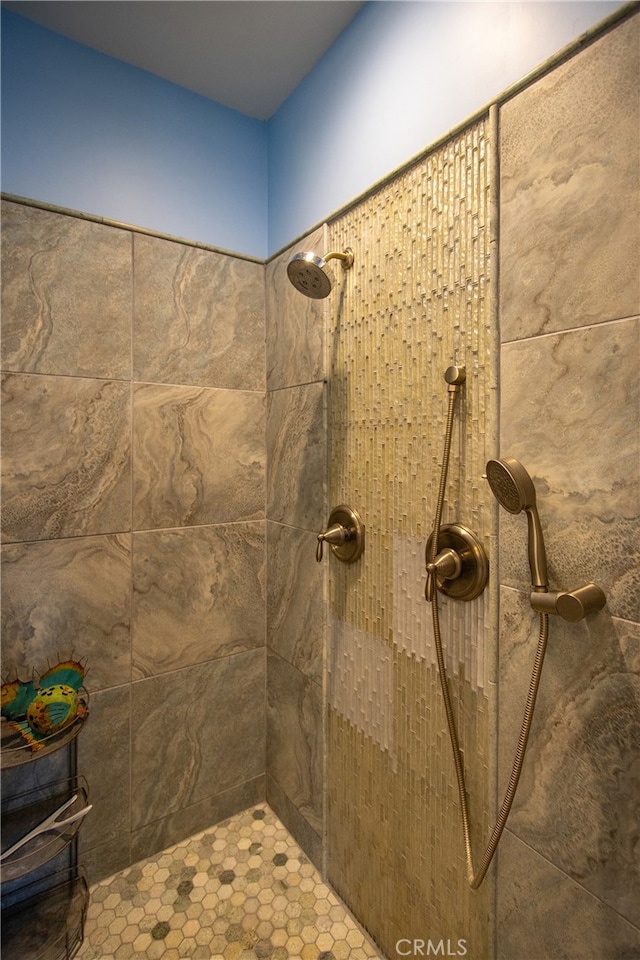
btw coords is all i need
(578, 329)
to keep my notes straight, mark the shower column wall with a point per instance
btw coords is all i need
(417, 299)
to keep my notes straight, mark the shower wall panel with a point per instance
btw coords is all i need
(133, 525)
(417, 299)
(570, 355)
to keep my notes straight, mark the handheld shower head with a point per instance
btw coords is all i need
(309, 273)
(514, 490)
(511, 485)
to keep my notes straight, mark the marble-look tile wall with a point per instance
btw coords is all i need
(570, 330)
(134, 488)
(296, 512)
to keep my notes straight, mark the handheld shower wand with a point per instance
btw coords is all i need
(514, 490)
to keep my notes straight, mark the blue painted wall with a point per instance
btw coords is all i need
(85, 131)
(399, 77)
(89, 132)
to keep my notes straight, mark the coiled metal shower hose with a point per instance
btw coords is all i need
(475, 879)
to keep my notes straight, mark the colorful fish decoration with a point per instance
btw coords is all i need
(39, 711)
(16, 697)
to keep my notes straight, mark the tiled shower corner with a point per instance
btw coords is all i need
(241, 890)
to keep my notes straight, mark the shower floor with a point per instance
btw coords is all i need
(240, 890)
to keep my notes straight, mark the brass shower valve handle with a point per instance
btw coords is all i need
(571, 605)
(337, 534)
(344, 534)
(447, 565)
(460, 570)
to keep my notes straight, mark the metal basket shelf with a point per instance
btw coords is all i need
(21, 814)
(49, 925)
(14, 749)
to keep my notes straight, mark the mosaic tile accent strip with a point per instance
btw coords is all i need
(417, 299)
(361, 681)
(241, 890)
(463, 626)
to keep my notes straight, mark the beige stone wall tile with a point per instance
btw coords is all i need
(546, 914)
(51, 607)
(199, 316)
(66, 295)
(296, 612)
(294, 738)
(104, 759)
(198, 456)
(570, 192)
(569, 413)
(196, 732)
(68, 517)
(198, 594)
(570, 407)
(66, 453)
(296, 457)
(576, 798)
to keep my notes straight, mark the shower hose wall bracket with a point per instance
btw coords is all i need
(571, 605)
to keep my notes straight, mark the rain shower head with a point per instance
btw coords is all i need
(514, 490)
(309, 274)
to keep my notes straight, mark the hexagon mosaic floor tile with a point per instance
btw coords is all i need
(241, 890)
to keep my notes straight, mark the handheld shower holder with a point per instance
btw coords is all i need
(514, 490)
(571, 605)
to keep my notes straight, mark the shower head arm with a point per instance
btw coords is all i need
(346, 257)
